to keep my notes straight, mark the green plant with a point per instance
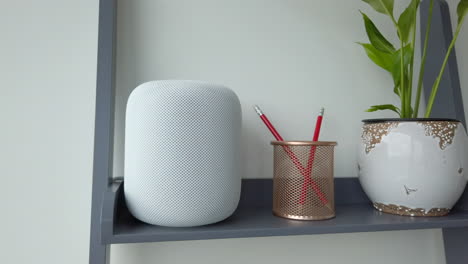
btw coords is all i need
(400, 62)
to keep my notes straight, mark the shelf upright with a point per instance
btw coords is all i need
(449, 103)
(104, 126)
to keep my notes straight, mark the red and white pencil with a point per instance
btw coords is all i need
(267, 122)
(293, 157)
(308, 179)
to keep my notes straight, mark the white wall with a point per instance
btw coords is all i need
(47, 82)
(404, 247)
(290, 57)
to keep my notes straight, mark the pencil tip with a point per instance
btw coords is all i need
(257, 109)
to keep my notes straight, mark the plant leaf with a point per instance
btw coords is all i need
(396, 68)
(397, 80)
(382, 59)
(410, 111)
(396, 89)
(381, 6)
(375, 37)
(406, 22)
(384, 107)
(462, 10)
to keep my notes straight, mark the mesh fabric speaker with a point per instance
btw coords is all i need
(182, 153)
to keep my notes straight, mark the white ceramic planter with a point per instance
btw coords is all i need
(415, 167)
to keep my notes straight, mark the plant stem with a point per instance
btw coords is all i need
(404, 96)
(410, 77)
(423, 61)
(435, 87)
(402, 83)
(402, 80)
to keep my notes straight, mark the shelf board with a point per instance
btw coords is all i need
(254, 219)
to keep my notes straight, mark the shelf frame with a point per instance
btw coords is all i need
(254, 218)
(107, 200)
(104, 126)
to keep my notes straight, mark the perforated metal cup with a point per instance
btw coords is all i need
(303, 186)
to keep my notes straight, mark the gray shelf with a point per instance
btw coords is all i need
(253, 218)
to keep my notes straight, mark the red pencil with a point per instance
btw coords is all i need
(308, 179)
(292, 156)
(268, 123)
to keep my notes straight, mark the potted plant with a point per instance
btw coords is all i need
(409, 165)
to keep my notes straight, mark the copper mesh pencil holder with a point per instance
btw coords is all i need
(303, 185)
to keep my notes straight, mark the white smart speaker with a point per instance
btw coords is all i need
(182, 141)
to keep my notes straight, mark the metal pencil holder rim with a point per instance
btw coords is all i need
(304, 143)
